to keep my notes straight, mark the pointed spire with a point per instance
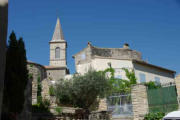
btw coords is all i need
(58, 33)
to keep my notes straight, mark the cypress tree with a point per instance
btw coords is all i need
(16, 76)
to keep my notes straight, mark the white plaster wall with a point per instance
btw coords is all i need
(151, 73)
(102, 64)
(83, 68)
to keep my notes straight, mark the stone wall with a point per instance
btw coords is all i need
(90, 52)
(62, 60)
(177, 81)
(139, 101)
(36, 71)
(102, 105)
(83, 56)
(55, 74)
(116, 53)
(3, 36)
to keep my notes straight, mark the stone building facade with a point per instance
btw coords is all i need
(3, 36)
(99, 59)
(177, 81)
(36, 71)
(118, 58)
(56, 69)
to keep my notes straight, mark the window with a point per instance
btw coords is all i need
(142, 78)
(157, 79)
(57, 53)
(83, 56)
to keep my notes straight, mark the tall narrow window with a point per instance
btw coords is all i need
(142, 78)
(57, 53)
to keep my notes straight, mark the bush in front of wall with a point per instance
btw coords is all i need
(42, 106)
(152, 85)
(58, 110)
(51, 91)
(154, 116)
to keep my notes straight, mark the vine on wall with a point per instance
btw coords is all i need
(121, 85)
(39, 90)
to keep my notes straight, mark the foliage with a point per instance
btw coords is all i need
(131, 76)
(58, 110)
(154, 116)
(152, 85)
(30, 76)
(42, 106)
(31, 65)
(39, 90)
(82, 90)
(39, 86)
(51, 91)
(120, 85)
(16, 76)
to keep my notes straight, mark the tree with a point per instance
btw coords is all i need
(16, 76)
(82, 90)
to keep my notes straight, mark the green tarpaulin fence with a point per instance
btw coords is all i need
(162, 99)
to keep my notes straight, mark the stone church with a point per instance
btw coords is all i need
(93, 57)
(57, 68)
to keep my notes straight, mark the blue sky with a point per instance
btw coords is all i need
(149, 26)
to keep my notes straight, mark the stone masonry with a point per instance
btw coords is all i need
(177, 81)
(36, 71)
(139, 101)
(102, 105)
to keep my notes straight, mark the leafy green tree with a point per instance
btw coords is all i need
(83, 90)
(16, 76)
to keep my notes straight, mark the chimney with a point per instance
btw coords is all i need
(89, 43)
(126, 46)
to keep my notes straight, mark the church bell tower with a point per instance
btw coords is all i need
(58, 47)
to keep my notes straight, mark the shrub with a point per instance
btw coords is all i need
(154, 116)
(82, 90)
(152, 85)
(31, 65)
(51, 91)
(41, 107)
(58, 110)
(30, 76)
